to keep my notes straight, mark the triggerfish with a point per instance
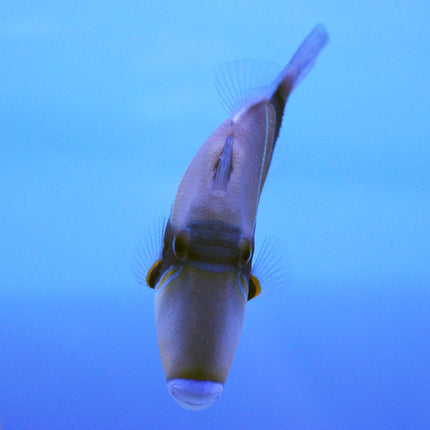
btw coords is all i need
(203, 275)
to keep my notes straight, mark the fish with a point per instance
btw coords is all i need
(203, 276)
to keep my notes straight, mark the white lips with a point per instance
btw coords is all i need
(194, 395)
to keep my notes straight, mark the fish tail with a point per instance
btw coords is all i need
(302, 61)
(242, 84)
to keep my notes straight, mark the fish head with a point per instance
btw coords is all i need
(199, 316)
(200, 300)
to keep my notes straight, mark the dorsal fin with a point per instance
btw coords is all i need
(242, 83)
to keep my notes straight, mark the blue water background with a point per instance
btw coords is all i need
(102, 106)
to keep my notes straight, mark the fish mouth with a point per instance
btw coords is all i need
(193, 394)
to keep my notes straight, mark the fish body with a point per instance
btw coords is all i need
(225, 179)
(203, 278)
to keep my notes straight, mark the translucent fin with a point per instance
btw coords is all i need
(148, 251)
(303, 59)
(270, 267)
(242, 83)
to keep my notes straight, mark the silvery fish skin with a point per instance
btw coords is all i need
(203, 279)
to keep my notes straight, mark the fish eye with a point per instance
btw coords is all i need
(181, 244)
(245, 252)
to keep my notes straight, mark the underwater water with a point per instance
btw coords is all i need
(102, 107)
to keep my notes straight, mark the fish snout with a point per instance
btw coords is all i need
(193, 394)
(199, 317)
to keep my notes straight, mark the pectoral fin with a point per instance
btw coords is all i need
(147, 255)
(153, 274)
(254, 288)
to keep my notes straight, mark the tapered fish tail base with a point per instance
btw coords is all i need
(194, 395)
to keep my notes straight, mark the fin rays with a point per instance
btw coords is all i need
(148, 251)
(270, 267)
(244, 82)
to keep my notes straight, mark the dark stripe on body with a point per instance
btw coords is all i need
(211, 242)
(223, 168)
(278, 104)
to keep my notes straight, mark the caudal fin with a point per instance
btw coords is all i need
(302, 61)
(241, 84)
